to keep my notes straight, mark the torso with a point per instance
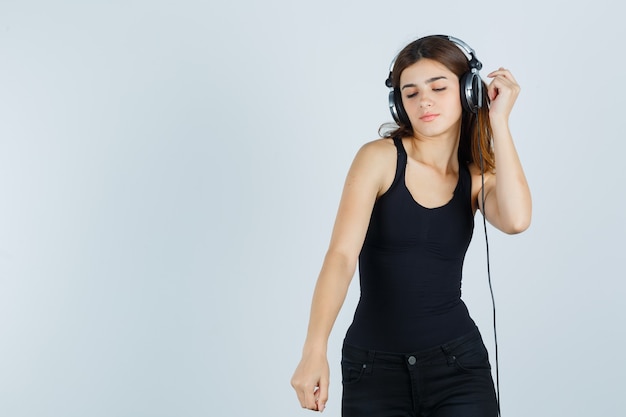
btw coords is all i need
(412, 257)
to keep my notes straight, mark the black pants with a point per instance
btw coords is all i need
(451, 380)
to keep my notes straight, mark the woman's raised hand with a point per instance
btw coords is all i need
(502, 91)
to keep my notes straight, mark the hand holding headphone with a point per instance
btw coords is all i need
(502, 92)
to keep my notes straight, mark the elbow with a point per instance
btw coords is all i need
(518, 218)
(518, 225)
(341, 260)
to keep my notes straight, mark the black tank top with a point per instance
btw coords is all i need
(410, 269)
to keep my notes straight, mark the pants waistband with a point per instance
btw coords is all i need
(364, 355)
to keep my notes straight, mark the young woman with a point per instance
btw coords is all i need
(407, 216)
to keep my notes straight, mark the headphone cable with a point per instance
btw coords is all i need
(493, 300)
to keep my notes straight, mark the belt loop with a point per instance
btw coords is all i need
(369, 366)
(451, 359)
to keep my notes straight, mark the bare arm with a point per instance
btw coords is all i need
(363, 184)
(508, 204)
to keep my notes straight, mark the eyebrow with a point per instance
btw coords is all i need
(428, 81)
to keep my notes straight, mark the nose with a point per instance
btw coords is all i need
(425, 102)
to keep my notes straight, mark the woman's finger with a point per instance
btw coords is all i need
(310, 394)
(504, 73)
(322, 395)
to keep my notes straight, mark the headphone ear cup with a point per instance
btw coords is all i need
(397, 109)
(392, 106)
(471, 91)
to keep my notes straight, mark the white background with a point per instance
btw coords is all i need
(170, 173)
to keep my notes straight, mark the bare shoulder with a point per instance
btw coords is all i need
(474, 170)
(477, 181)
(379, 148)
(376, 160)
(377, 154)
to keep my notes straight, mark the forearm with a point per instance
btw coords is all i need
(328, 297)
(512, 191)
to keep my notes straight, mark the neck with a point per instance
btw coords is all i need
(439, 153)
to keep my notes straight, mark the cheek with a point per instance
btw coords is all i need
(454, 104)
(408, 103)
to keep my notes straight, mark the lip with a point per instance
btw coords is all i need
(429, 117)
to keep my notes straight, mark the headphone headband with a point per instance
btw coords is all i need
(474, 63)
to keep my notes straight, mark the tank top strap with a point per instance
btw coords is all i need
(402, 160)
(465, 187)
(465, 179)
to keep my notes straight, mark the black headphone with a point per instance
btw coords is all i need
(471, 85)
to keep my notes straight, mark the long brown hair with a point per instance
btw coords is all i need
(476, 131)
